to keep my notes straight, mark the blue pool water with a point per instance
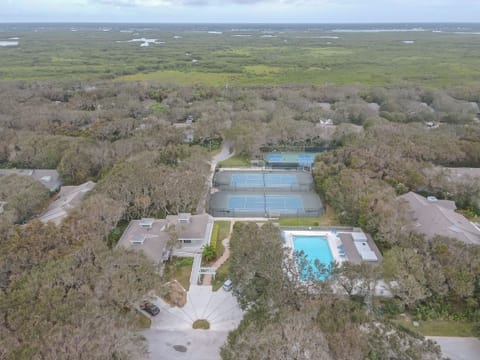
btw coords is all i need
(314, 247)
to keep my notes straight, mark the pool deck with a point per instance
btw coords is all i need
(352, 253)
(336, 239)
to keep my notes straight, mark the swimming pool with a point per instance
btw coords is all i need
(314, 248)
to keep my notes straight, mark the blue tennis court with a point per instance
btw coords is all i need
(246, 202)
(247, 180)
(261, 179)
(275, 180)
(281, 203)
(302, 159)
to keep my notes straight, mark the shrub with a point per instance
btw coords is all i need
(209, 252)
(215, 232)
(201, 324)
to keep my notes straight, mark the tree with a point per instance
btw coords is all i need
(256, 264)
(357, 279)
(209, 252)
(24, 197)
(406, 268)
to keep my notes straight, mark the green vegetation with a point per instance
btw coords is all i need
(201, 324)
(328, 219)
(214, 239)
(299, 221)
(435, 59)
(440, 327)
(235, 161)
(282, 311)
(142, 321)
(209, 252)
(179, 269)
(129, 137)
(215, 249)
(223, 273)
(223, 233)
(116, 233)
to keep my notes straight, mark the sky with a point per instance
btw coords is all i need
(240, 11)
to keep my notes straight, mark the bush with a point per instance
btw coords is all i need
(186, 261)
(476, 329)
(201, 324)
(209, 252)
(215, 232)
(392, 307)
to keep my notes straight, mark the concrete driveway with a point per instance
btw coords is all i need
(171, 336)
(458, 348)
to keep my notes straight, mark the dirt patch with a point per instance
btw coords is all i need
(176, 296)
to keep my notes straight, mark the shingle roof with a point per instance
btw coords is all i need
(439, 218)
(49, 178)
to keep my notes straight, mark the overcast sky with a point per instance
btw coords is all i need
(243, 11)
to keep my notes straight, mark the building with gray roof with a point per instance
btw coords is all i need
(49, 178)
(434, 217)
(152, 235)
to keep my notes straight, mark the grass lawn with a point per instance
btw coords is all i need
(328, 219)
(221, 230)
(142, 321)
(224, 229)
(440, 327)
(470, 215)
(180, 270)
(235, 161)
(116, 233)
(223, 273)
(136, 319)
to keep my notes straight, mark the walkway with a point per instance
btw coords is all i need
(224, 154)
(207, 279)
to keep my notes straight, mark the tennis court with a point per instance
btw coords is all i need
(261, 179)
(264, 204)
(281, 203)
(284, 204)
(290, 159)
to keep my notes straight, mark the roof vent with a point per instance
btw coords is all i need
(432, 198)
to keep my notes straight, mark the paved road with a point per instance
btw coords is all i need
(458, 348)
(185, 345)
(224, 153)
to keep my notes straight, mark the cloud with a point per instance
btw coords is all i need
(157, 3)
(146, 3)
